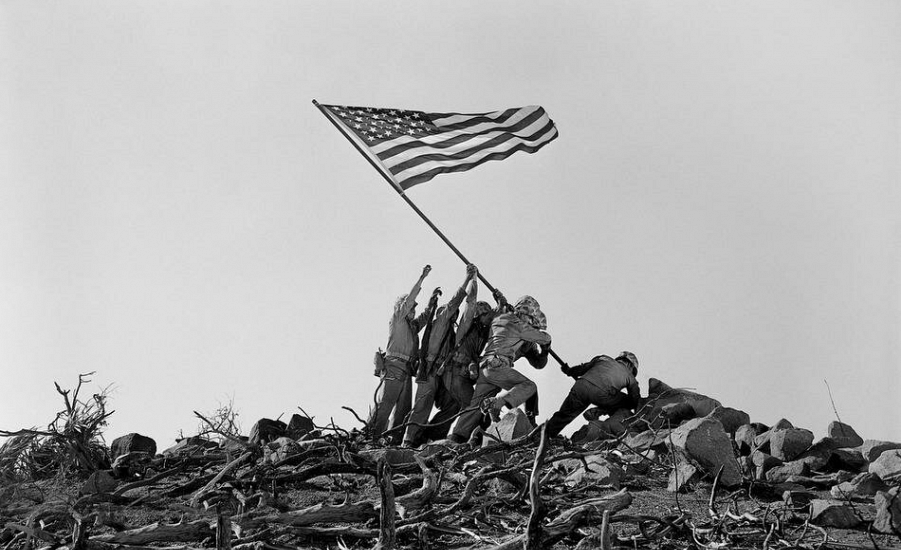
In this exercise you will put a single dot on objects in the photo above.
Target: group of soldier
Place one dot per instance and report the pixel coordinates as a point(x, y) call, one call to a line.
point(461, 366)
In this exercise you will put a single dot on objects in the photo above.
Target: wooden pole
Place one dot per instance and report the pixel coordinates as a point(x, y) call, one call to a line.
point(378, 167)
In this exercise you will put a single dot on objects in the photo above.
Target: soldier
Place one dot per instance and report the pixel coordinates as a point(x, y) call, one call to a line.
point(395, 388)
point(440, 343)
point(511, 336)
point(599, 382)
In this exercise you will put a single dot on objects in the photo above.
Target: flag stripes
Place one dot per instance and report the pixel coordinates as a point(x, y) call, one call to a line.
point(415, 146)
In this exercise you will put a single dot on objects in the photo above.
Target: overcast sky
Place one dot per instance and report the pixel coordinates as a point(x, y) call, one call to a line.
point(176, 215)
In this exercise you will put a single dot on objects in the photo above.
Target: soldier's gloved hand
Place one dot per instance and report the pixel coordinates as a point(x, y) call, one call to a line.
point(473, 371)
point(566, 369)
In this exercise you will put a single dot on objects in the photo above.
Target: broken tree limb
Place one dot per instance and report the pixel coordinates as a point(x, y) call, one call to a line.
point(533, 529)
point(320, 513)
point(194, 531)
point(421, 497)
point(230, 467)
point(571, 519)
point(387, 531)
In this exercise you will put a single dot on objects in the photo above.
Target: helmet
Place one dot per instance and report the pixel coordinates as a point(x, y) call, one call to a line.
point(630, 357)
point(528, 309)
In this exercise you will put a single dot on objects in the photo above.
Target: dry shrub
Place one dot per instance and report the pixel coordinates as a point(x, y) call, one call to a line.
point(72, 444)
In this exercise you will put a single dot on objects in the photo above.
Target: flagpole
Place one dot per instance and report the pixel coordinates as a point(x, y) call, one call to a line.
point(415, 208)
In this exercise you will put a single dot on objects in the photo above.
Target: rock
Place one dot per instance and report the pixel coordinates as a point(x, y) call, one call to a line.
point(639, 464)
point(871, 448)
point(683, 475)
point(842, 435)
point(789, 443)
point(513, 425)
point(130, 443)
point(675, 413)
point(798, 497)
point(888, 512)
point(190, 445)
point(101, 481)
point(266, 430)
point(660, 395)
point(299, 426)
point(847, 459)
point(863, 485)
point(787, 471)
point(833, 513)
point(744, 439)
point(599, 470)
point(888, 466)
point(730, 418)
point(597, 430)
point(705, 442)
point(647, 440)
point(763, 463)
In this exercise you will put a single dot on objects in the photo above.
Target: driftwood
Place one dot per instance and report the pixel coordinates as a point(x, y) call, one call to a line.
point(194, 531)
point(387, 530)
point(320, 513)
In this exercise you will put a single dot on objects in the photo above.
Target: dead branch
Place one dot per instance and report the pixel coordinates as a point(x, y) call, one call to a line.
point(231, 466)
point(533, 530)
point(387, 530)
point(320, 513)
point(194, 531)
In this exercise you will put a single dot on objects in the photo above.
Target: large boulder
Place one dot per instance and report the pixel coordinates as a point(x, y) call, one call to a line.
point(101, 481)
point(596, 470)
point(790, 443)
point(299, 426)
point(610, 428)
point(787, 472)
point(863, 485)
point(662, 401)
point(833, 513)
point(511, 426)
point(888, 512)
point(872, 448)
point(744, 437)
point(842, 436)
point(133, 442)
point(267, 430)
point(685, 474)
point(730, 418)
point(888, 466)
point(705, 442)
point(762, 441)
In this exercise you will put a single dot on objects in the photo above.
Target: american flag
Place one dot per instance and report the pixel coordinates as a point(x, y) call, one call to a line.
point(415, 146)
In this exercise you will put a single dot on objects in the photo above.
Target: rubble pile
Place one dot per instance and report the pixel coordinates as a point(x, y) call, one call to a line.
point(682, 471)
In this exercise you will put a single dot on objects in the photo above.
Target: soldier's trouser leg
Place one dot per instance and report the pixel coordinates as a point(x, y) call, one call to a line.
point(395, 386)
point(471, 418)
point(457, 395)
point(520, 387)
point(583, 394)
point(422, 408)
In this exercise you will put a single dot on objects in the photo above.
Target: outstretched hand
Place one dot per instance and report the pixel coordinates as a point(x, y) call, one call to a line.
point(426, 270)
point(471, 271)
point(566, 369)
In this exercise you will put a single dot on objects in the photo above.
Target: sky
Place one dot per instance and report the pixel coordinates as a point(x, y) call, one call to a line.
point(177, 217)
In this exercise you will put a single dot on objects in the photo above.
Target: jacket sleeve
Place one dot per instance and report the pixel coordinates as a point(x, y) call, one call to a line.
point(468, 309)
point(579, 370)
point(406, 306)
point(530, 334)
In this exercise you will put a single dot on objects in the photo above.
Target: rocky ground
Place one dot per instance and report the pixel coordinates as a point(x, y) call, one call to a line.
point(683, 472)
